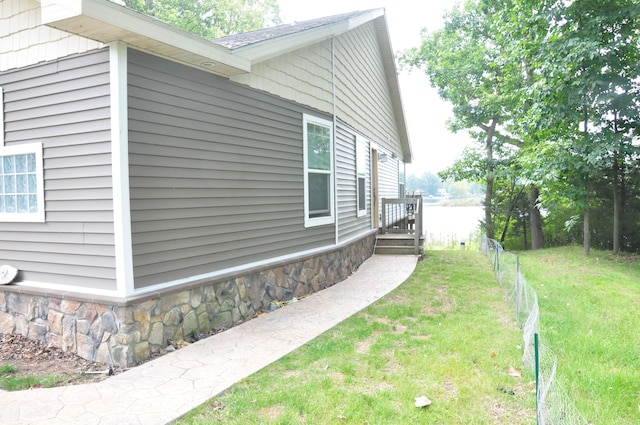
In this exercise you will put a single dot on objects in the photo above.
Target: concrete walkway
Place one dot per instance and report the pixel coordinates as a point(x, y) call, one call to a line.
point(166, 388)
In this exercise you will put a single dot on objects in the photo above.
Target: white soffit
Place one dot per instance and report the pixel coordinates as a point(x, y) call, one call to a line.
point(106, 22)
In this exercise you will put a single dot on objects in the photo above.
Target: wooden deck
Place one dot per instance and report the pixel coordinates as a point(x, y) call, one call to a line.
point(401, 231)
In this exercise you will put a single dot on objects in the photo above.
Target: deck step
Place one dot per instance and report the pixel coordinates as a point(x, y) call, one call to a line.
point(397, 244)
point(394, 250)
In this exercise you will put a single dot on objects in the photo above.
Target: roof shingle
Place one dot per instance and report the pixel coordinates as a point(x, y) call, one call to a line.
point(248, 38)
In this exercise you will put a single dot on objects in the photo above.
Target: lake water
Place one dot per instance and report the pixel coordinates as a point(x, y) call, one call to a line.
point(450, 225)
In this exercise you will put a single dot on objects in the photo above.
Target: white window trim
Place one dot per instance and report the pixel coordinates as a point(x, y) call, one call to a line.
point(20, 150)
point(361, 171)
point(329, 219)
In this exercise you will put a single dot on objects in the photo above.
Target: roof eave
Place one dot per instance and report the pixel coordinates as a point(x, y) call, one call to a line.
point(107, 22)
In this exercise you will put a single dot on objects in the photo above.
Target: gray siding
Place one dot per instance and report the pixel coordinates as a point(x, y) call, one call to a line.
point(362, 89)
point(65, 105)
point(389, 176)
point(349, 225)
point(215, 173)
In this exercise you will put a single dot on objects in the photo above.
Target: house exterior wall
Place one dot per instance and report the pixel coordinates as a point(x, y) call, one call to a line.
point(229, 163)
point(64, 104)
point(215, 172)
point(389, 176)
point(24, 41)
point(125, 334)
point(305, 76)
point(349, 224)
point(363, 98)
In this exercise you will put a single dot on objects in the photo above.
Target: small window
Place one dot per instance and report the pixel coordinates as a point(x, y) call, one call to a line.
point(21, 191)
point(318, 171)
point(361, 175)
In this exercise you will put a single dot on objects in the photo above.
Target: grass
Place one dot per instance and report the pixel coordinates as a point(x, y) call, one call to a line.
point(446, 333)
point(10, 380)
point(590, 316)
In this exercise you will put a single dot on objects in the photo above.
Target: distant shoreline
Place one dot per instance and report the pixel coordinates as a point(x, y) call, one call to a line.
point(449, 202)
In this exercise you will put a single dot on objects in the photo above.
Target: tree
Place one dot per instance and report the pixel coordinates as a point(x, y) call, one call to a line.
point(471, 68)
point(428, 184)
point(559, 81)
point(212, 18)
point(587, 94)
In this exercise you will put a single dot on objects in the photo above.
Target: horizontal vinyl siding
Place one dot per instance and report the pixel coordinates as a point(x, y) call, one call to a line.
point(350, 225)
point(388, 178)
point(215, 174)
point(363, 93)
point(64, 105)
point(363, 99)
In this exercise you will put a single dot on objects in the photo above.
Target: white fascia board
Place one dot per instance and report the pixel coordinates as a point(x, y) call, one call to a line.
point(268, 49)
point(393, 82)
point(108, 22)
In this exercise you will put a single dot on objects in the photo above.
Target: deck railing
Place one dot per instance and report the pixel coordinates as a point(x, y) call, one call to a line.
point(403, 216)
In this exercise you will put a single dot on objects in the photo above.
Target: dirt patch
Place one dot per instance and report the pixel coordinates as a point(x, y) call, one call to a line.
point(273, 412)
point(33, 358)
point(449, 388)
point(505, 317)
point(398, 329)
point(440, 303)
point(364, 345)
point(383, 320)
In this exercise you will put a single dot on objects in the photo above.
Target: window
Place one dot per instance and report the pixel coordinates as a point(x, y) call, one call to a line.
point(21, 191)
point(318, 171)
point(361, 175)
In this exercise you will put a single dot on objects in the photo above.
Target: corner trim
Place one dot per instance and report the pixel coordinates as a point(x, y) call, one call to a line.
point(120, 169)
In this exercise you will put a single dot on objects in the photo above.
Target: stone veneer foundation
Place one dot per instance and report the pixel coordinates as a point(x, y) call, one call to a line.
point(127, 333)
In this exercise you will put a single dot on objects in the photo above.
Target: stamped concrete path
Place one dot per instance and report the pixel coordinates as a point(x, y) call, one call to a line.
point(167, 387)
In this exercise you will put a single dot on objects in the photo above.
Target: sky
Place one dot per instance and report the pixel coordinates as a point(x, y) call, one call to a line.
point(434, 147)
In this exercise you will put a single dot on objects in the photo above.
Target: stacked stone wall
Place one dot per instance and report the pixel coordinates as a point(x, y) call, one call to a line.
point(125, 335)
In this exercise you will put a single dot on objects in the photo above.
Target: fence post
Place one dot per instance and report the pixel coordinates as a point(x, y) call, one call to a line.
point(537, 366)
point(518, 289)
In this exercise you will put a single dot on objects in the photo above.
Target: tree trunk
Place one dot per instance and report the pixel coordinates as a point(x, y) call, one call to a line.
point(617, 200)
point(618, 182)
point(586, 232)
point(537, 237)
point(586, 237)
point(488, 219)
point(488, 196)
point(512, 206)
point(525, 244)
point(617, 207)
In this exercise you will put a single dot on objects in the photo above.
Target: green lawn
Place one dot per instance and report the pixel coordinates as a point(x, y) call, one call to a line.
point(446, 333)
point(10, 381)
point(590, 316)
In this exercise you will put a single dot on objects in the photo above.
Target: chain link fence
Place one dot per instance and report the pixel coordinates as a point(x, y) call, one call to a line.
point(554, 407)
